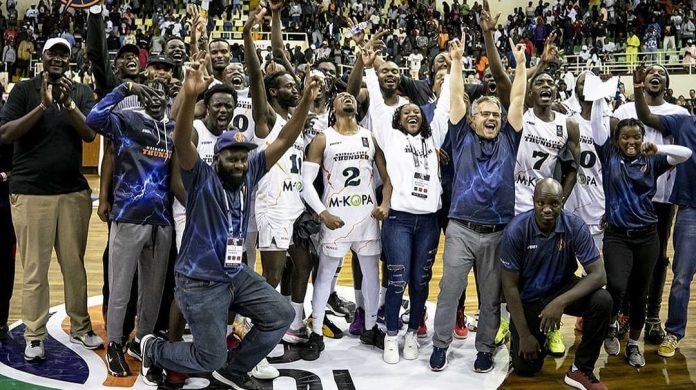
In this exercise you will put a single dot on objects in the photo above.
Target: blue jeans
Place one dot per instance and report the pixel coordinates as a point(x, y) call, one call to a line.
point(409, 243)
point(683, 267)
point(205, 305)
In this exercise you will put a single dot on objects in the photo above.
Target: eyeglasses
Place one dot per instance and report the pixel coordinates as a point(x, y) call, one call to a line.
point(488, 114)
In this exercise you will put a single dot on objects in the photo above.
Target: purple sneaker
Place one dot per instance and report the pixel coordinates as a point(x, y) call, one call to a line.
point(358, 325)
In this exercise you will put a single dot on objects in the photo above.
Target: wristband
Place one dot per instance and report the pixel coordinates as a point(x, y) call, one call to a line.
point(638, 85)
point(43, 106)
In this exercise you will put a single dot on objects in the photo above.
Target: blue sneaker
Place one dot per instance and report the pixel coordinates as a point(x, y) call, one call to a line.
point(438, 359)
point(484, 362)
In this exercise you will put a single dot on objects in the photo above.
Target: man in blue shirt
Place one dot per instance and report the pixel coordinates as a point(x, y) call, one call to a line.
point(539, 254)
point(482, 204)
point(210, 276)
point(683, 129)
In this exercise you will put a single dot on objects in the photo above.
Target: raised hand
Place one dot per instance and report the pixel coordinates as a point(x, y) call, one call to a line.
point(550, 50)
point(639, 74)
point(312, 85)
point(488, 23)
point(376, 42)
point(358, 37)
point(46, 91)
point(519, 51)
point(276, 5)
point(255, 18)
point(456, 50)
point(197, 80)
point(368, 56)
point(145, 93)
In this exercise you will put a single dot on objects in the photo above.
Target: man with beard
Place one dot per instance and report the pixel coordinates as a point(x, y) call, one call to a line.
point(212, 282)
point(278, 200)
point(656, 83)
point(50, 197)
point(141, 232)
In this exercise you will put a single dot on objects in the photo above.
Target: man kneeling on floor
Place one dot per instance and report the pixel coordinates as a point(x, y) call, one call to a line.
point(538, 258)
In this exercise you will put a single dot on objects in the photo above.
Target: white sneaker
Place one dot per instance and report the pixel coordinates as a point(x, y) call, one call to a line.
point(88, 340)
point(391, 349)
point(411, 346)
point(264, 371)
point(34, 351)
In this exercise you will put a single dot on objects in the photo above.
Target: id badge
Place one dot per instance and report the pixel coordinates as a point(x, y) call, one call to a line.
point(235, 250)
point(421, 183)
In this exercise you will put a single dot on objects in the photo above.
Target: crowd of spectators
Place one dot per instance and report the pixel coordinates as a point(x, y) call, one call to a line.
point(594, 31)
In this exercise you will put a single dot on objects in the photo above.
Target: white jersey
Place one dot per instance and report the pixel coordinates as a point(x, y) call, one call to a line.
point(347, 170)
point(278, 193)
point(665, 182)
point(537, 155)
point(205, 149)
point(320, 124)
point(587, 199)
point(243, 119)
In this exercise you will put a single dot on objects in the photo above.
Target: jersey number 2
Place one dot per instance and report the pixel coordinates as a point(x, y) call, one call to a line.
point(352, 173)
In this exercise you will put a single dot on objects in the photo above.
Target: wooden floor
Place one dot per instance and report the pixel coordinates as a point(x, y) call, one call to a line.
point(678, 372)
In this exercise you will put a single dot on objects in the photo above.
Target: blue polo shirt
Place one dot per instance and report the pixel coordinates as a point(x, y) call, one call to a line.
point(545, 262)
point(629, 186)
point(483, 190)
point(209, 209)
point(683, 129)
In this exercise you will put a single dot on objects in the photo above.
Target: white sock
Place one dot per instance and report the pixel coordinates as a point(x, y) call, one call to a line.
point(632, 342)
point(359, 300)
point(504, 313)
point(573, 368)
point(299, 311)
point(382, 295)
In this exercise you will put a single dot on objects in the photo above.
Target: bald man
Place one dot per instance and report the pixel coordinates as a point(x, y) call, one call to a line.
point(539, 255)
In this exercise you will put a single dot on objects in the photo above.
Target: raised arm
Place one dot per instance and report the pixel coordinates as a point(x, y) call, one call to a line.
point(277, 28)
point(600, 133)
point(458, 103)
point(519, 86)
point(101, 116)
point(642, 109)
point(373, 89)
point(195, 83)
point(260, 110)
point(676, 154)
point(289, 133)
point(97, 53)
point(488, 26)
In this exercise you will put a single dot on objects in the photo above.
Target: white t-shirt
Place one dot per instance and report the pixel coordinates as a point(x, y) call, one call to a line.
point(665, 182)
point(378, 114)
point(414, 61)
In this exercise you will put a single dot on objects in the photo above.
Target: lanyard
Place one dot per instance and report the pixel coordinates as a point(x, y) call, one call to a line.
point(241, 212)
point(416, 157)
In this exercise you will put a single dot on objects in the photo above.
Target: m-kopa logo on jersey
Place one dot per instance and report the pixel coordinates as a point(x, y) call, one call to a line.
point(289, 185)
point(351, 200)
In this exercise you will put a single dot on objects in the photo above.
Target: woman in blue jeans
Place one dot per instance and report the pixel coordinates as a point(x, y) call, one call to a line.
point(630, 168)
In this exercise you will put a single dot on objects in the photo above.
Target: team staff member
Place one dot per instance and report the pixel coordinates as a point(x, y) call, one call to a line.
point(482, 204)
point(683, 129)
point(50, 197)
point(211, 278)
point(630, 168)
point(539, 255)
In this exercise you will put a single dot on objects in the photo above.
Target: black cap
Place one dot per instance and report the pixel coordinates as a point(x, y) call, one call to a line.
point(159, 59)
point(127, 48)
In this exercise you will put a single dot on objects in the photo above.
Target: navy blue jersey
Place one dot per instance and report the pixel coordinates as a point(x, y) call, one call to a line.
point(629, 186)
point(483, 190)
point(544, 262)
point(143, 149)
point(210, 209)
point(683, 129)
